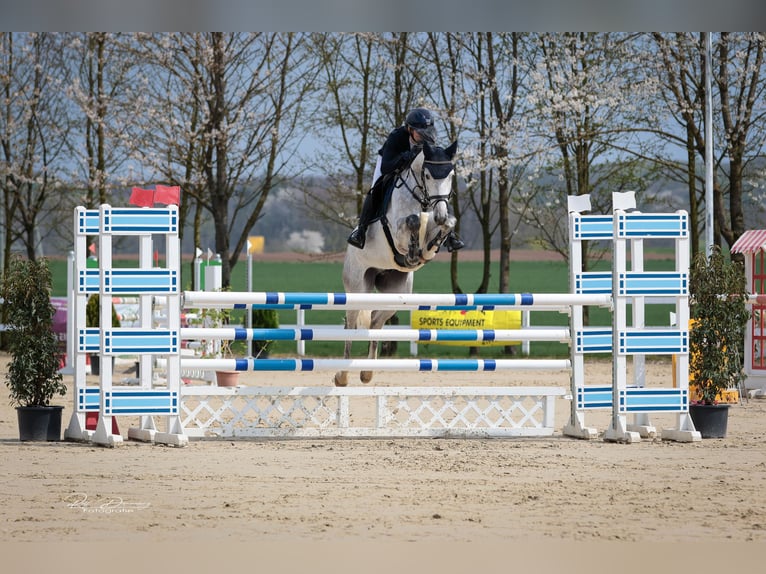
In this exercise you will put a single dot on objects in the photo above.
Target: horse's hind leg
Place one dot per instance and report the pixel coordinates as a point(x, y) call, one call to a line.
point(377, 320)
point(390, 282)
point(372, 353)
point(354, 320)
point(362, 320)
point(341, 377)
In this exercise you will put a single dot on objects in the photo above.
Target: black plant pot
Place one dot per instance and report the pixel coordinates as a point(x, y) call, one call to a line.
point(710, 420)
point(95, 364)
point(39, 423)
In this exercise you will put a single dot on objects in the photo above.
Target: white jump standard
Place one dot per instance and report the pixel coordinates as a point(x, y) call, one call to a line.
point(147, 401)
point(632, 287)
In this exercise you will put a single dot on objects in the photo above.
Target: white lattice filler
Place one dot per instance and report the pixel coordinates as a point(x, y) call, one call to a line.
point(368, 411)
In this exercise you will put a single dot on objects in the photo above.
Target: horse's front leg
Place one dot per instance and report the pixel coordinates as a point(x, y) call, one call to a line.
point(410, 232)
point(436, 236)
point(372, 348)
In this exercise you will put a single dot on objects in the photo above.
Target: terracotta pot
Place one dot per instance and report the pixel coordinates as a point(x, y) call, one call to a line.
point(227, 378)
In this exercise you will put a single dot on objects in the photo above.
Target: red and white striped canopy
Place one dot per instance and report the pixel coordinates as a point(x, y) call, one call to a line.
point(750, 242)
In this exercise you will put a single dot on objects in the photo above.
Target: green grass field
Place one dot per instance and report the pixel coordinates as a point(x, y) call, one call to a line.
point(526, 276)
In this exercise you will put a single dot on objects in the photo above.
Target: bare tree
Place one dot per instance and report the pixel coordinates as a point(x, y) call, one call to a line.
point(104, 114)
point(351, 120)
point(680, 62)
point(33, 129)
point(96, 86)
point(502, 85)
point(739, 83)
point(232, 137)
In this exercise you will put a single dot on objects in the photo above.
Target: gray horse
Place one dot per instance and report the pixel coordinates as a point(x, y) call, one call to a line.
point(406, 237)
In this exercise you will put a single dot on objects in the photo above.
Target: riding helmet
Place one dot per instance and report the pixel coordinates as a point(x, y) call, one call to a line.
point(422, 121)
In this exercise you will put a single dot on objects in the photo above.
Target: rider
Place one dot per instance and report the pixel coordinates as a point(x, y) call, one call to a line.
point(401, 147)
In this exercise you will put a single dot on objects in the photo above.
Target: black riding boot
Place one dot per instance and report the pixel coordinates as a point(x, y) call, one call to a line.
point(359, 234)
point(453, 242)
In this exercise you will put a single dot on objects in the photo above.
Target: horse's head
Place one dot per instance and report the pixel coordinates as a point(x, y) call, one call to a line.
point(434, 169)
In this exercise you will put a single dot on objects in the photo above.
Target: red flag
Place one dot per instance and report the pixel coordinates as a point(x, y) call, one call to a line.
point(167, 194)
point(142, 197)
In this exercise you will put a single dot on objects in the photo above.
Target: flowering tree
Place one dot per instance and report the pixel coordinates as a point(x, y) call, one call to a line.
point(480, 83)
point(587, 91)
point(351, 119)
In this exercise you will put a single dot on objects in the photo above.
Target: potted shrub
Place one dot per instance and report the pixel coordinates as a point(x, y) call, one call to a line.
point(33, 376)
point(263, 319)
point(93, 319)
point(218, 348)
point(719, 315)
point(225, 378)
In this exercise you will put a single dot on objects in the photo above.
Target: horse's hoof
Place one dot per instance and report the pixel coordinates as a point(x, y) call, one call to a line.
point(365, 376)
point(341, 380)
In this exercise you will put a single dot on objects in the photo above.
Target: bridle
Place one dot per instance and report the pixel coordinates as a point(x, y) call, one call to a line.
point(425, 200)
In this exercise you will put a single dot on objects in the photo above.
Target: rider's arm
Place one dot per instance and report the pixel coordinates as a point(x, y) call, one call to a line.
point(396, 153)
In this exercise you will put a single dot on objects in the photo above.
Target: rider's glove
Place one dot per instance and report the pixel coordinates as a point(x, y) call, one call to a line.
point(405, 159)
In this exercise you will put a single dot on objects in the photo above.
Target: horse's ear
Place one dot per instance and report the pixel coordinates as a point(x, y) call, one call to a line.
point(450, 151)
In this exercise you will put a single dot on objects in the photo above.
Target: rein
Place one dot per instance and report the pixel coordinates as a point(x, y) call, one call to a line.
point(425, 200)
point(399, 259)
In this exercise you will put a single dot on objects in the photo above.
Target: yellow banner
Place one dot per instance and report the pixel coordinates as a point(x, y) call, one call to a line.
point(255, 244)
point(484, 320)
